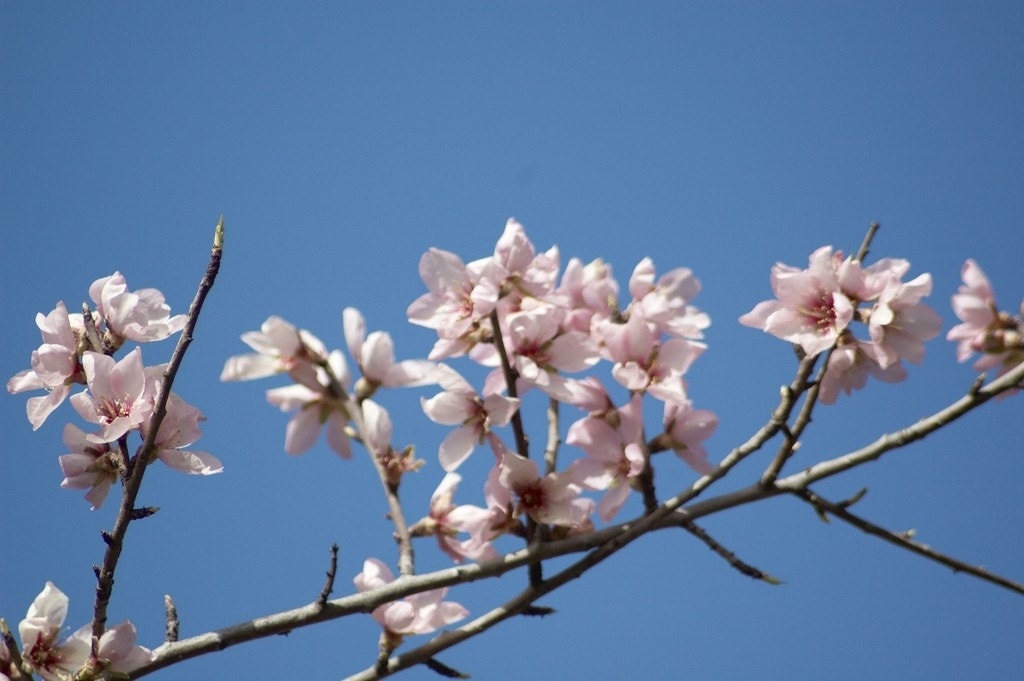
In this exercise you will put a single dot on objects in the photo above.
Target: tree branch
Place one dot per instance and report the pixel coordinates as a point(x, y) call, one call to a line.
point(598, 544)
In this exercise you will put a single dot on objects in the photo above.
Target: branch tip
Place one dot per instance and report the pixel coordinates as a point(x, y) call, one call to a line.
point(218, 234)
point(332, 570)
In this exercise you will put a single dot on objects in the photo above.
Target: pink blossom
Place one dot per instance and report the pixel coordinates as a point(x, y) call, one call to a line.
point(984, 328)
point(643, 363)
point(55, 364)
point(420, 613)
point(119, 399)
point(900, 323)
point(315, 408)
point(39, 631)
point(89, 465)
point(280, 347)
point(446, 520)
point(141, 316)
point(460, 405)
point(179, 429)
point(539, 350)
point(849, 366)
point(590, 395)
point(552, 499)
point(811, 310)
point(590, 293)
point(665, 303)
point(377, 429)
point(116, 649)
point(458, 301)
point(375, 356)
point(524, 271)
point(500, 517)
point(615, 455)
point(686, 429)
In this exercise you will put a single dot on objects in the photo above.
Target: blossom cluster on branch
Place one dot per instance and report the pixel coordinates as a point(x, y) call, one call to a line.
point(539, 331)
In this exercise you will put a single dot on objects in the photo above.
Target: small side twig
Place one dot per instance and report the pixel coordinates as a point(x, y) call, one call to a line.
point(332, 570)
point(904, 540)
point(742, 567)
point(171, 616)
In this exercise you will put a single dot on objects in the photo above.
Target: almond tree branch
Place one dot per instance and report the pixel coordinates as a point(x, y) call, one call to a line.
point(611, 538)
point(903, 540)
point(599, 544)
point(130, 490)
point(972, 400)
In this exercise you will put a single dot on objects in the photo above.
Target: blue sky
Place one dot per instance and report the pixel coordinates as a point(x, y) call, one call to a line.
point(341, 140)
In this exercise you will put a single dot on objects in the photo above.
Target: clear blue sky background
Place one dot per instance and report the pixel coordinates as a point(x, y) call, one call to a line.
point(342, 140)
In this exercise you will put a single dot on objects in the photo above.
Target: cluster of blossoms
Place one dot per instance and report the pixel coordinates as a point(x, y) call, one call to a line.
point(56, 661)
point(512, 313)
point(815, 309)
point(120, 396)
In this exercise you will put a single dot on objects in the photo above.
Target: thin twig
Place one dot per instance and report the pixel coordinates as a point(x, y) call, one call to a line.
point(903, 540)
point(791, 433)
point(511, 377)
point(865, 245)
